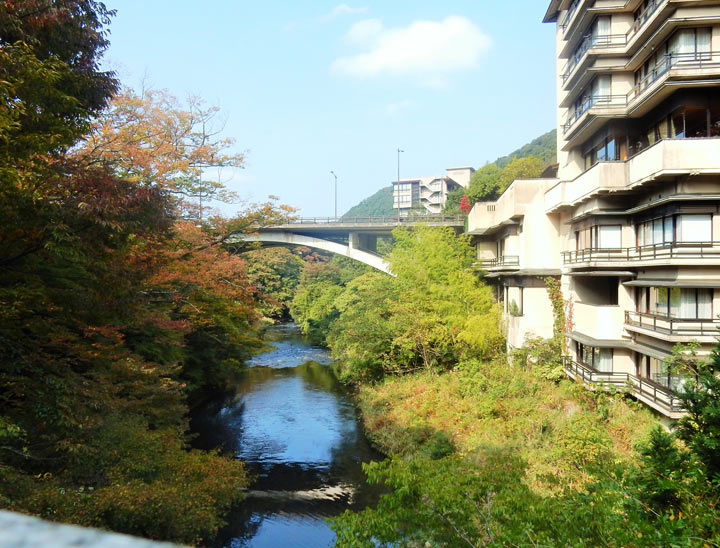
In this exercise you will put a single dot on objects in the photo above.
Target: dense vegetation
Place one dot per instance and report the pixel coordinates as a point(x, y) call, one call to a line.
point(483, 452)
point(119, 302)
point(543, 147)
point(434, 312)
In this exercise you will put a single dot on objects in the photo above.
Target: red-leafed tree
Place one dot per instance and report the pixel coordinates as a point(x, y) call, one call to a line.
point(465, 204)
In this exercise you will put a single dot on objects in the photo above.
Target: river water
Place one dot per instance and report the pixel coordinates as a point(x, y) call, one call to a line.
point(298, 432)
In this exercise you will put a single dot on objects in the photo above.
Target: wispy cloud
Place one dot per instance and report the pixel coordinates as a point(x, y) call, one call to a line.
point(424, 49)
point(337, 11)
point(342, 9)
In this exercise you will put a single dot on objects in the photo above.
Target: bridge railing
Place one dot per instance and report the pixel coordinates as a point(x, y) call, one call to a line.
point(379, 219)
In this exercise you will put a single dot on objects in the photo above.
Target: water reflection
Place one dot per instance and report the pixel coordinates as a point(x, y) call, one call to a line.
point(298, 432)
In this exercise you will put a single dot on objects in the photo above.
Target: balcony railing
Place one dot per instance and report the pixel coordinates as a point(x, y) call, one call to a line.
point(589, 42)
point(658, 396)
point(371, 220)
point(644, 16)
point(506, 260)
point(691, 327)
point(594, 102)
point(673, 250)
point(694, 60)
point(569, 15)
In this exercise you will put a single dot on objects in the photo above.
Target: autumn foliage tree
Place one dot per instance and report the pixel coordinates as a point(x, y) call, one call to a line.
point(113, 309)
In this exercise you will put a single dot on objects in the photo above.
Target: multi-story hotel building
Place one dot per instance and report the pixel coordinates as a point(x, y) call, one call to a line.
point(428, 193)
point(630, 222)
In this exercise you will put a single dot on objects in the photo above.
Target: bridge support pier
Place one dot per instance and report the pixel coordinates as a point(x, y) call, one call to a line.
point(362, 241)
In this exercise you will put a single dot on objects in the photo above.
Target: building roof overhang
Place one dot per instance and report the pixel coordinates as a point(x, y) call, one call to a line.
point(647, 282)
point(619, 343)
point(526, 272)
point(619, 273)
point(551, 15)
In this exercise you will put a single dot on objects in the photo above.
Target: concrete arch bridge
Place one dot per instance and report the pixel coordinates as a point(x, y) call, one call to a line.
point(353, 237)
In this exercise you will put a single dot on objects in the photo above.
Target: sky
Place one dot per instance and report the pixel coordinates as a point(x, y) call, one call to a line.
point(310, 87)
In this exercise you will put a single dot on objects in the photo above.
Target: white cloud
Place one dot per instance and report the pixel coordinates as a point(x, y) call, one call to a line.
point(343, 9)
point(364, 31)
point(427, 49)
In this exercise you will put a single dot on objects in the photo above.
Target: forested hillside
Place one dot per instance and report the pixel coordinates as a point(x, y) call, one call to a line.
point(379, 203)
point(543, 147)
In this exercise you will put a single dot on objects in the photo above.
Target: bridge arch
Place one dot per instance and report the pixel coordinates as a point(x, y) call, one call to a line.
point(291, 238)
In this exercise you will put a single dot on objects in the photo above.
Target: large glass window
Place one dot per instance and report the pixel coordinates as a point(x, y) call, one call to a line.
point(678, 228)
point(676, 302)
point(597, 358)
point(685, 46)
point(599, 237)
point(694, 228)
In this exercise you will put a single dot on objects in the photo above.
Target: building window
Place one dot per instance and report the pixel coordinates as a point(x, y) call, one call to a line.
point(675, 302)
point(675, 229)
point(605, 148)
point(600, 359)
point(685, 46)
point(694, 228)
point(514, 301)
point(599, 237)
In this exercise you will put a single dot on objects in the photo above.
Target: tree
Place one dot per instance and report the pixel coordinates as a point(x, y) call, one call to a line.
point(155, 139)
point(465, 204)
point(50, 80)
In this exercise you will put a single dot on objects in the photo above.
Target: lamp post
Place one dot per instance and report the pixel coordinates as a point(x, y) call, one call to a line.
point(333, 173)
point(398, 182)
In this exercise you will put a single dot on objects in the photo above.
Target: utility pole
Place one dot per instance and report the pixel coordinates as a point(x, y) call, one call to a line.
point(333, 173)
point(398, 182)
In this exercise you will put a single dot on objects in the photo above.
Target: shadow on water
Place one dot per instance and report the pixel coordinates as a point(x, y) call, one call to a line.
point(298, 432)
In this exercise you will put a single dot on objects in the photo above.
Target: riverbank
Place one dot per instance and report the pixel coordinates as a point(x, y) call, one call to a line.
point(558, 429)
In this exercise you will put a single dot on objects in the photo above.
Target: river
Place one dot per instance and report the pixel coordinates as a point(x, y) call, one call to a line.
point(298, 432)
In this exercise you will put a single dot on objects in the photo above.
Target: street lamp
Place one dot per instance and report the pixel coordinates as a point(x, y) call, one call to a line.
point(398, 182)
point(333, 173)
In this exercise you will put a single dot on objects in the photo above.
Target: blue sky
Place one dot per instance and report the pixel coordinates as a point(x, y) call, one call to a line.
point(310, 87)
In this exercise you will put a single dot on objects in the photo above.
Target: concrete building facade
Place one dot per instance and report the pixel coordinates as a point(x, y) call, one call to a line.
point(631, 220)
point(428, 194)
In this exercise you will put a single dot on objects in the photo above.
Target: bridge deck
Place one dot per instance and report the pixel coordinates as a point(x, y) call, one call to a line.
point(386, 223)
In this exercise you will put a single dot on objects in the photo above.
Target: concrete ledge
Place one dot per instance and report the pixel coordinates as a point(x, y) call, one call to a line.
point(21, 531)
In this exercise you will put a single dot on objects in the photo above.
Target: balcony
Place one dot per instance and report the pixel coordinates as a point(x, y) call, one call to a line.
point(506, 261)
point(644, 16)
point(655, 395)
point(673, 329)
point(676, 65)
point(667, 157)
point(595, 104)
point(700, 253)
point(603, 177)
point(589, 42)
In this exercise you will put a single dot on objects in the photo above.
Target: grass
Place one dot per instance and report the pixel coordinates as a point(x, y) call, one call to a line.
point(557, 428)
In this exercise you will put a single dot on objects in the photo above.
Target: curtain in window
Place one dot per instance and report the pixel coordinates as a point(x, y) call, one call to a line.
point(604, 360)
point(694, 228)
point(609, 237)
point(601, 28)
point(668, 235)
point(704, 307)
point(683, 42)
point(703, 41)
